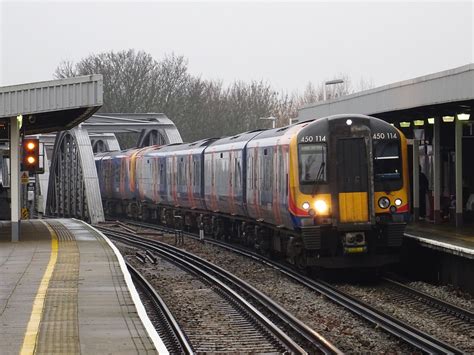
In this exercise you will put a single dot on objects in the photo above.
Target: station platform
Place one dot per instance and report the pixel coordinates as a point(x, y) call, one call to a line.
point(443, 237)
point(64, 288)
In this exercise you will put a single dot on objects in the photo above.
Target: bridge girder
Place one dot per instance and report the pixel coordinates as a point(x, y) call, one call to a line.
point(73, 187)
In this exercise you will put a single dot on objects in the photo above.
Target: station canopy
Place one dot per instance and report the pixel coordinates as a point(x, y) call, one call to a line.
point(448, 92)
point(54, 105)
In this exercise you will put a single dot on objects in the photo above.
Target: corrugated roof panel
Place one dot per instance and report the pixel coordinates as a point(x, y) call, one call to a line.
point(54, 95)
point(450, 86)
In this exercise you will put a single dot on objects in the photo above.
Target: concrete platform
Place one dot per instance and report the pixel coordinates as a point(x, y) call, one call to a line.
point(64, 290)
point(443, 237)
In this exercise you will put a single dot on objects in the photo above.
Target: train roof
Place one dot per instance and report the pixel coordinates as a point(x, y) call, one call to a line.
point(177, 148)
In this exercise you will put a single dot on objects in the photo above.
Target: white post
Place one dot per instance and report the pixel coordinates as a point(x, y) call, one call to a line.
point(437, 170)
point(416, 180)
point(324, 92)
point(458, 169)
point(15, 177)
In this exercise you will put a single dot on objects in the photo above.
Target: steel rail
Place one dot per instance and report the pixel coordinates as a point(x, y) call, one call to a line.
point(301, 328)
point(449, 308)
point(394, 326)
point(176, 340)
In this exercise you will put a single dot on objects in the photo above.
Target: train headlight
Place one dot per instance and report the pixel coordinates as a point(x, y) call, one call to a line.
point(306, 205)
point(321, 207)
point(384, 202)
point(398, 202)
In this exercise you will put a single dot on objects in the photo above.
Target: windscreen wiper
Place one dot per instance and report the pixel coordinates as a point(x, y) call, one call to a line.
point(318, 178)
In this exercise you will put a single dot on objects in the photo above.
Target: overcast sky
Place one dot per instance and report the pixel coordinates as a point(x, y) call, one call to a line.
point(286, 44)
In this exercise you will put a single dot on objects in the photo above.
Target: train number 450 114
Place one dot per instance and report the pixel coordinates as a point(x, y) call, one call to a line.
point(385, 135)
point(309, 139)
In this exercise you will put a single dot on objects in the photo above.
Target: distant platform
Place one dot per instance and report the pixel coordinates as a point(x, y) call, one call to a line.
point(64, 290)
point(443, 237)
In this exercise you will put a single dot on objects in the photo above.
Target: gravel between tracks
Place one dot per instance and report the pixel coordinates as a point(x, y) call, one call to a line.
point(345, 330)
point(210, 322)
point(446, 293)
point(445, 327)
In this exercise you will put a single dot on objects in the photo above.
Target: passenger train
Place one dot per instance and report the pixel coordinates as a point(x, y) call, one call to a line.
point(331, 192)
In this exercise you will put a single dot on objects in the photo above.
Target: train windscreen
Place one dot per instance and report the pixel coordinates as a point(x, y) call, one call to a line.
point(312, 162)
point(387, 165)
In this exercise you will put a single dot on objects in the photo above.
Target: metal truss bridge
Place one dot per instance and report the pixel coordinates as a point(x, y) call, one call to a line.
point(70, 179)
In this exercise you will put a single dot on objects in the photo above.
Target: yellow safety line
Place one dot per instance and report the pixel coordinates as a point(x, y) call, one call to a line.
point(31, 335)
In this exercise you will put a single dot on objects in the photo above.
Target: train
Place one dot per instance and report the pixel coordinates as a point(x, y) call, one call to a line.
point(325, 193)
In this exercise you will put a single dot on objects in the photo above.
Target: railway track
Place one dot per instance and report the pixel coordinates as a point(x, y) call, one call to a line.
point(228, 284)
point(171, 333)
point(394, 326)
point(443, 308)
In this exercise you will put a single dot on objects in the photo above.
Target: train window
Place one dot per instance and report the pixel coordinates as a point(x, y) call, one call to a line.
point(386, 160)
point(237, 173)
point(312, 158)
point(387, 165)
point(195, 172)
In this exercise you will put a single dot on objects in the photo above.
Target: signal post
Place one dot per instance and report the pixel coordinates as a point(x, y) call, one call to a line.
point(15, 176)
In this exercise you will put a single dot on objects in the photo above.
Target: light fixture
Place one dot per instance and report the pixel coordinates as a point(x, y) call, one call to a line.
point(463, 116)
point(398, 202)
point(321, 206)
point(349, 122)
point(405, 124)
point(384, 202)
point(418, 122)
point(306, 205)
point(431, 120)
point(448, 118)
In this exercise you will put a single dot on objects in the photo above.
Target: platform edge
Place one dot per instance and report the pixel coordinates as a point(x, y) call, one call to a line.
point(150, 329)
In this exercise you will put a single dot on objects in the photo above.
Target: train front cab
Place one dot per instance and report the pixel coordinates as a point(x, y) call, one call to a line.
point(349, 196)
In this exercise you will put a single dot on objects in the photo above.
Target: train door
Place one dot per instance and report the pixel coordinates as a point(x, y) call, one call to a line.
point(352, 180)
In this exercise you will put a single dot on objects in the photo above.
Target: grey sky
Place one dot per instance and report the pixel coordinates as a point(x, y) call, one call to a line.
point(287, 44)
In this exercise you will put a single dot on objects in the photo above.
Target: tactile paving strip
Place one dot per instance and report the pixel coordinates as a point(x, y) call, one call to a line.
point(59, 330)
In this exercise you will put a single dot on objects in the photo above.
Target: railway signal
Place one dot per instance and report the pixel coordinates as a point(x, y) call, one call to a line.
point(30, 158)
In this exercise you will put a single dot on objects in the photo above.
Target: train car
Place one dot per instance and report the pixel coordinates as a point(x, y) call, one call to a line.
point(351, 191)
point(268, 188)
point(116, 174)
point(225, 167)
point(331, 192)
point(146, 180)
point(171, 176)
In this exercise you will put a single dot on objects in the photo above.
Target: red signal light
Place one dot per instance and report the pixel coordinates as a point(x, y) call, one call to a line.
point(30, 157)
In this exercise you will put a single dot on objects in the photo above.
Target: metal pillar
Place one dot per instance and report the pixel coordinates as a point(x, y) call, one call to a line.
point(437, 170)
point(416, 180)
point(15, 177)
point(458, 169)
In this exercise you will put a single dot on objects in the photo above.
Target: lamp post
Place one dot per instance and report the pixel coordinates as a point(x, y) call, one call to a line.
point(273, 119)
point(330, 82)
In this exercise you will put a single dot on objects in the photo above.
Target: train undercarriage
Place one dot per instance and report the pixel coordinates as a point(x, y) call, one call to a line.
point(310, 247)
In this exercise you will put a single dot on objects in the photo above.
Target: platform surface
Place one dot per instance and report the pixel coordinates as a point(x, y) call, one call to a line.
point(62, 291)
point(444, 237)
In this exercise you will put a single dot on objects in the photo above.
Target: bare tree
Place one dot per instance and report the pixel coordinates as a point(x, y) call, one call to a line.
point(135, 82)
point(65, 69)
